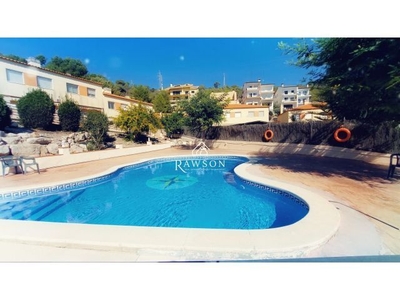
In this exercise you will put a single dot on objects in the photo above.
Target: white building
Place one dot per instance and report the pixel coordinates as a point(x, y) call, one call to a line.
point(256, 93)
point(292, 96)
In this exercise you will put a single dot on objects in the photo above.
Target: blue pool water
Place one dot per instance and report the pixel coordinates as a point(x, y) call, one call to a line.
point(191, 192)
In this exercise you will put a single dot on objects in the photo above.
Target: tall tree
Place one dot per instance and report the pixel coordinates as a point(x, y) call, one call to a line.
point(68, 65)
point(42, 59)
point(161, 102)
point(140, 92)
point(202, 112)
point(359, 78)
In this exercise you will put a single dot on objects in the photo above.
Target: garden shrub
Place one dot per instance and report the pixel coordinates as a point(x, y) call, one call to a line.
point(96, 124)
point(69, 115)
point(36, 109)
point(5, 113)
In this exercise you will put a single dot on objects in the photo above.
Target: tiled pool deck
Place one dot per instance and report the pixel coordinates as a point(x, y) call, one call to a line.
point(350, 232)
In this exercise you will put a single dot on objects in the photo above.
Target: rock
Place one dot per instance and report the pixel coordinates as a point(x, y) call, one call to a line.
point(52, 148)
point(70, 140)
point(43, 151)
point(84, 147)
point(25, 149)
point(4, 150)
point(80, 137)
point(2, 133)
point(11, 139)
point(39, 140)
point(75, 149)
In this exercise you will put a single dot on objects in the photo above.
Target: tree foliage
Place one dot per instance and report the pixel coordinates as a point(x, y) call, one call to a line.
point(161, 102)
point(140, 92)
point(16, 57)
point(5, 113)
point(100, 79)
point(69, 115)
point(68, 65)
point(96, 124)
point(121, 88)
point(359, 78)
point(202, 112)
point(36, 109)
point(42, 59)
point(173, 123)
point(137, 119)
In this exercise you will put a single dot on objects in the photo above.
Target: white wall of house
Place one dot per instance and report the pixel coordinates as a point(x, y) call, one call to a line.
point(242, 113)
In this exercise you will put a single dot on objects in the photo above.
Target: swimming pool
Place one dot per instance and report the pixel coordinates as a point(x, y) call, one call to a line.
point(184, 192)
point(148, 243)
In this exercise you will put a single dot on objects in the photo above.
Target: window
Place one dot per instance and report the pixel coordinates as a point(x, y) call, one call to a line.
point(228, 115)
point(286, 92)
point(14, 76)
point(176, 92)
point(238, 114)
point(110, 105)
point(292, 91)
point(250, 114)
point(261, 113)
point(72, 88)
point(44, 83)
point(91, 92)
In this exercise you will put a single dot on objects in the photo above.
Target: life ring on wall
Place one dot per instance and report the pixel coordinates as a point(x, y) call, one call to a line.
point(268, 135)
point(339, 131)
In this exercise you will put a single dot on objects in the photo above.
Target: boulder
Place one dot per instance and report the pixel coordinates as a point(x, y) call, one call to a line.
point(52, 148)
point(43, 151)
point(39, 140)
point(75, 149)
point(25, 149)
point(12, 139)
point(2, 133)
point(4, 150)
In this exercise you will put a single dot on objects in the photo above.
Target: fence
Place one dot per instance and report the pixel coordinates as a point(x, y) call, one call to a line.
point(384, 138)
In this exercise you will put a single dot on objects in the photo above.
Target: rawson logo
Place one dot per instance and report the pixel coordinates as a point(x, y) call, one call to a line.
point(200, 149)
point(193, 164)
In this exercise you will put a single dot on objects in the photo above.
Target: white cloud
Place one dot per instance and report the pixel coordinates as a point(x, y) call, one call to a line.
point(87, 61)
point(182, 58)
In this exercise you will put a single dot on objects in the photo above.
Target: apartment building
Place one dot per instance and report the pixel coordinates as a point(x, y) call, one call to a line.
point(292, 96)
point(257, 93)
point(181, 92)
point(18, 78)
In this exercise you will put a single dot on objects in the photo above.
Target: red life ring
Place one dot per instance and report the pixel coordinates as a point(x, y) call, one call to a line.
point(268, 135)
point(342, 130)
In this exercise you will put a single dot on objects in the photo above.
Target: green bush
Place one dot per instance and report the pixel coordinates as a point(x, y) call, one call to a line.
point(36, 109)
point(69, 115)
point(96, 124)
point(5, 113)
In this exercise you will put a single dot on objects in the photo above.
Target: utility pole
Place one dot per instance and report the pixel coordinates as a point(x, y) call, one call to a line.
point(160, 81)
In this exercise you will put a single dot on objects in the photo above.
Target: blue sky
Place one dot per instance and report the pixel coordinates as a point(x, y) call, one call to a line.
point(200, 61)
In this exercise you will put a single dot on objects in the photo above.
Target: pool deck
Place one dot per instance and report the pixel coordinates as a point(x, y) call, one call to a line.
point(367, 202)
